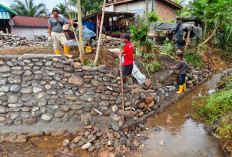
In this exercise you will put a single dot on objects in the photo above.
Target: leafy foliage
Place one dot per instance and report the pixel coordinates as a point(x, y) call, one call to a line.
point(88, 6)
point(194, 59)
point(63, 10)
point(150, 63)
point(215, 13)
point(28, 8)
point(153, 17)
point(167, 48)
point(139, 34)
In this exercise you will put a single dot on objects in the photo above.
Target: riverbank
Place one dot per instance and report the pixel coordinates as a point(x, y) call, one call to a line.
point(216, 112)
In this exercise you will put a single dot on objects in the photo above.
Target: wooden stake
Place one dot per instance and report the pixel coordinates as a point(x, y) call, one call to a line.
point(97, 27)
point(122, 88)
point(99, 39)
point(187, 42)
point(81, 46)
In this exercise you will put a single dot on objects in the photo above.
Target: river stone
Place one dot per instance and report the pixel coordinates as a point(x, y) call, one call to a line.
point(5, 89)
point(3, 81)
point(12, 99)
point(59, 114)
point(37, 90)
point(59, 133)
point(14, 105)
point(2, 93)
point(77, 65)
point(86, 98)
point(141, 105)
point(104, 103)
point(65, 143)
point(95, 83)
point(86, 146)
point(14, 116)
point(92, 148)
point(21, 139)
point(15, 88)
point(65, 108)
point(114, 126)
point(85, 117)
point(76, 81)
point(47, 117)
point(2, 119)
point(28, 90)
point(5, 69)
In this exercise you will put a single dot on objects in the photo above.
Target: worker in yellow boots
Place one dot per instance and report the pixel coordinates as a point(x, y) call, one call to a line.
point(183, 69)
point(56, 34)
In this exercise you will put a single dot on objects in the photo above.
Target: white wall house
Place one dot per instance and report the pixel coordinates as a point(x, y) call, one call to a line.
point(29, 26)
point(166, 9)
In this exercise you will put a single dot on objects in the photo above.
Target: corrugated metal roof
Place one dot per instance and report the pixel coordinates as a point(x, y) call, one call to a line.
point(4, 14)
point(8, 9)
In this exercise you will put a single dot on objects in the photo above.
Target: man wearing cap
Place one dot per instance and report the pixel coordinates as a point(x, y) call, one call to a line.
point(55, 31)
point(128, 58)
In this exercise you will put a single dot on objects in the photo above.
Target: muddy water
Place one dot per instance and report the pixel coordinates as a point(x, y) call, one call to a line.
point(174, 133)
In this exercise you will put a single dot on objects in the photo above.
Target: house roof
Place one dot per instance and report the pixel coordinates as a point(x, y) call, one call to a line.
point(10, 10)
point(169, 2)
point(26, 21)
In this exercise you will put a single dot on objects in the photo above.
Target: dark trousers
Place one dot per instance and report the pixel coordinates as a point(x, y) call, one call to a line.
point(181, 79)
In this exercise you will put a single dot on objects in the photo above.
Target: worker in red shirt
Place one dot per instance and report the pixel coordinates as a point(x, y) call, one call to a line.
point(128, 58)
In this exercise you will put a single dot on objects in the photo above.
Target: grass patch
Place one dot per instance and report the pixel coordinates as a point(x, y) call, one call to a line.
point(150, 63)
point(218, 110)
point(194, 59)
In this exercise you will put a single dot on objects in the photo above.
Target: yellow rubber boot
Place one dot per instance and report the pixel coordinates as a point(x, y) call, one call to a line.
point(66, 51)
point(184, 86)
point(180, 89)
point(57, 52)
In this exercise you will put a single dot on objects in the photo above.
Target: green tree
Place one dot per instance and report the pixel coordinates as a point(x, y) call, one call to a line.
point(63, 10)
point(215, 15)
point(28, 8)
point(88, 6)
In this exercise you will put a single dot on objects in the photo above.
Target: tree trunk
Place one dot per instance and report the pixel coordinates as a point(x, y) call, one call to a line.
point(81, 46)
point(99, 38)
point(211, 34)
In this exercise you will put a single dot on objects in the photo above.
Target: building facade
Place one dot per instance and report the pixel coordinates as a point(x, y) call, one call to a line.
point(166, 9)
point(30, 26)
point(6, 14)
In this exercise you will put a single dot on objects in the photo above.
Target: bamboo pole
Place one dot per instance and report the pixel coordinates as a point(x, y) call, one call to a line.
point(122, 88)
point(99, 39)
point(146, 18)
point(81, 46)
point(187, 41)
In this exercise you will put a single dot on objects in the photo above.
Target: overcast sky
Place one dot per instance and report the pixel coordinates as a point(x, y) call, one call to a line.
point(49, 3)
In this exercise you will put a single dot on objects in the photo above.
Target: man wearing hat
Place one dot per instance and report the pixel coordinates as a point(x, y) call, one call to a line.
point(56, 34)
point(128, 58)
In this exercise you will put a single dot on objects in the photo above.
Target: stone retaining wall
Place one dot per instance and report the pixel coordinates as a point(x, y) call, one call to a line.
point(52, 89)
point(48, 88)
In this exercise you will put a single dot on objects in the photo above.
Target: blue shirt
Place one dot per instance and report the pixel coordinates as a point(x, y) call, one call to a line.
point(57, 24)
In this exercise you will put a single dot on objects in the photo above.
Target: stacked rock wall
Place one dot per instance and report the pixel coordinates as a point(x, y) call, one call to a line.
point(47, 88)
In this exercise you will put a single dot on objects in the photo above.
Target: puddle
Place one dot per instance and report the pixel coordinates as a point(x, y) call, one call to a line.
point(180, 136)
